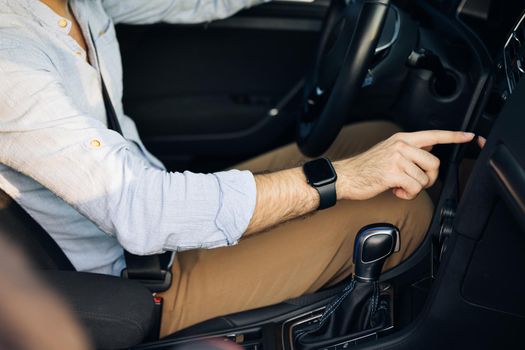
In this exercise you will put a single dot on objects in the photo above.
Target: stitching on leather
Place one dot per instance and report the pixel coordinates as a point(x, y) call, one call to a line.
point(334, 305)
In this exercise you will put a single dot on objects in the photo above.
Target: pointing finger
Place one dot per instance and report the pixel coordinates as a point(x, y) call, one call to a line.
point(428, 138)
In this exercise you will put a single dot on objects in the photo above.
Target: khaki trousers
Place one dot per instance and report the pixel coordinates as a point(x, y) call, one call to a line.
point(297, 257)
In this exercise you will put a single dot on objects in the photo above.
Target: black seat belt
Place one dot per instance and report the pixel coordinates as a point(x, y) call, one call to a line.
point(111, 115)
point(150, 270)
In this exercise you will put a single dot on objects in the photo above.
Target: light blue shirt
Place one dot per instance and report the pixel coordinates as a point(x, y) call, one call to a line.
point(91, 189)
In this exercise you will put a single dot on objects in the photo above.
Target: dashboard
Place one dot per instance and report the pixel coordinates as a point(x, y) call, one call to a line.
point(491, 20)
point(500, 26)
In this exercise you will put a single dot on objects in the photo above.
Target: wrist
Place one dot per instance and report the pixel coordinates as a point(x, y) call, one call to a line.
point(343, 184)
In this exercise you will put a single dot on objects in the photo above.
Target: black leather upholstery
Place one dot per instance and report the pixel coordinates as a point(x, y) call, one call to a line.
point(20, 228)
point(116, 312)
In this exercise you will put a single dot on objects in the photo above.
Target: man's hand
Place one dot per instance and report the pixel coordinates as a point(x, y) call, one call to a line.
point(481, 141)
point(402, 163)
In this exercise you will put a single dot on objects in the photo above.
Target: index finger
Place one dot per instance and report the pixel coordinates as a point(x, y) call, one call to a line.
point(434, 137)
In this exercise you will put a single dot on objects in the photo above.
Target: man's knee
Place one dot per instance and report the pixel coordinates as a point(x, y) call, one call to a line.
point(357, 138)
point(413, 219)
point(379, 130)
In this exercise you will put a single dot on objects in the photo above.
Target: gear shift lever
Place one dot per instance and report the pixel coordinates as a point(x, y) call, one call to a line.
point(373, 245)
point(359, 306)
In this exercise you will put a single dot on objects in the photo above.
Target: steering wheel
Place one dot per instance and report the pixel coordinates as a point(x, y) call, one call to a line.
point(349, 36)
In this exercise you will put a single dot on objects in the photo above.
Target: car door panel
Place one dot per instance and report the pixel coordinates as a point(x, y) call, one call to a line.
point(201, 94)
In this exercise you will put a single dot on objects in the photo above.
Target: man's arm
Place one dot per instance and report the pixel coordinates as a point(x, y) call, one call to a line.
point(173, 11)
point(401, 163)
point(46, 136)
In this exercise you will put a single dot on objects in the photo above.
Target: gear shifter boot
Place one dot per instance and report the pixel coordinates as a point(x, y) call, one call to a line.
point(360, 306)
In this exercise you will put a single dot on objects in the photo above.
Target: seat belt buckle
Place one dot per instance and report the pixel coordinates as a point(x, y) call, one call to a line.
point(159, 283)
point(154, 333)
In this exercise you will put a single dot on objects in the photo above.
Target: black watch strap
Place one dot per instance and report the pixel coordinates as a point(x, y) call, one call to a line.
point(327, 196)
point(321, 175)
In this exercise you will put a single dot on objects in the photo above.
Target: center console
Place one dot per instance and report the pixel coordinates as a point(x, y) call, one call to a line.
point(358, 311)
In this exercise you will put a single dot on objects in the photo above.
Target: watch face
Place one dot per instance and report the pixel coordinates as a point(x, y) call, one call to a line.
point(319, 172)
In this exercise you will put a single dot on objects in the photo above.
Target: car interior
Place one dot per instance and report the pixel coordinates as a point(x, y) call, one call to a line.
point(214, 94)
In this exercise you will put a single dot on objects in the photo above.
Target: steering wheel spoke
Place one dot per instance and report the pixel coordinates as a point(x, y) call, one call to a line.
point(348, 40)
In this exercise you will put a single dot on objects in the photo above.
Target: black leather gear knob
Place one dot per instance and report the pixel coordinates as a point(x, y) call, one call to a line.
point(373, 245)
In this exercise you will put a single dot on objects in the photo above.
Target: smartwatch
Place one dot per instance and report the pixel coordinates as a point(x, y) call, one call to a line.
point(321, 175)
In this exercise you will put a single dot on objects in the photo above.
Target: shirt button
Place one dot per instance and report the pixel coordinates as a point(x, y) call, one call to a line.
point(78, 53)
point(95, 143)
point(62, 23)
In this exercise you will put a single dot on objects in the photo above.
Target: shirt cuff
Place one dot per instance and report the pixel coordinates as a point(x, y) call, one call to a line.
point(237, 203)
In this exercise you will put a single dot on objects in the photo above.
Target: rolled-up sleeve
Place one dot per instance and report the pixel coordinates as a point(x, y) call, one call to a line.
point(174, 11)
point(43, 135)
